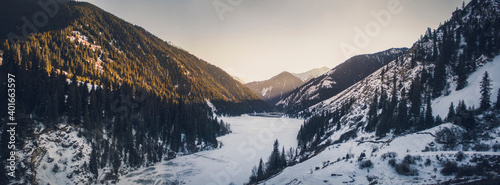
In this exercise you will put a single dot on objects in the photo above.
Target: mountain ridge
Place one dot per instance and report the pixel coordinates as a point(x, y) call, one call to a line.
point(383, 129)
point(279, 86)
point(125, 53)
point(336, 80)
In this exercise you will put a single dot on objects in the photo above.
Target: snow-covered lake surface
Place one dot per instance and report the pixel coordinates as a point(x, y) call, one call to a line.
point(252, 139)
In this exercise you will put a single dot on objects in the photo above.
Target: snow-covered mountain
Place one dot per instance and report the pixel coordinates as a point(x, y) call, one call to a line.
point(398, 125)
point(311, 74)
point(337, 79)
point(280, 86)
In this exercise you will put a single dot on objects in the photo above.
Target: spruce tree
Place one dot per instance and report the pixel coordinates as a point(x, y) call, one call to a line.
point(485, 92)
point(429, 118)
point(439, 80)
point(283, 158)
point(274, 162)
point(451, 112)
point(260, 170)
point(372, 115)
point(498, 100)
point(402, 116)
point(93, 164)
point(462, 74)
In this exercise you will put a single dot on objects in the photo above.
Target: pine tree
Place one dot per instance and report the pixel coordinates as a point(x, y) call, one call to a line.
point(462, 73)
point(402, 116)
point(485, 92)
point(283, 158)
point(498, 100)
point(415, 97)
point(451, 112)
point(439, 80)
point(429, 118)
point(260, 170)
point(253, 176)
point(372, 115)
point(274, 162)
point(383, 126)
point(93, 164)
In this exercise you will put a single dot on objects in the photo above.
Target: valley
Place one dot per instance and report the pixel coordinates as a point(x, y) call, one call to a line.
point(99, 100)
point(251, 139)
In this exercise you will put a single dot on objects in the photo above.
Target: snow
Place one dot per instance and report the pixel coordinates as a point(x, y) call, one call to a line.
point(212, 107)
point(328, 83)
point(308, 75)
point(251, 139)
point(470, 94)
point(82, 39)
point(330, 166)
point(266, 90)
point(62, 147)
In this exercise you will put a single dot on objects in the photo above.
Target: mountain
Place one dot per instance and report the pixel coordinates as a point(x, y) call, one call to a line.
point(311, 74)
point(108, 50)
point(94, 96)
point(279, 86)
point(426, 117)
point(239, 79)
point(336, 80)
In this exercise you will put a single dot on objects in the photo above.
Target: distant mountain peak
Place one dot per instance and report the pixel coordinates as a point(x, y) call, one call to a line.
point(313, 73)
point(279, 86)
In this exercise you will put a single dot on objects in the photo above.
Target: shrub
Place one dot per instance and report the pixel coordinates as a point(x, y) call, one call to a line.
point(449, 167)
point(409, 159)
point(362, 156)
point(55, 169)
point(404, 168)
point(481, 147)
point(466, 170)
point(365, 164)
point(448, 137)
point(427, 162)
point(392, 162)
point(496, 147)
point(389, 155)
point(460, 156)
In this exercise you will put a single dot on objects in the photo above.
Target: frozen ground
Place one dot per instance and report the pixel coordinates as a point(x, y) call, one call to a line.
point(252, 139)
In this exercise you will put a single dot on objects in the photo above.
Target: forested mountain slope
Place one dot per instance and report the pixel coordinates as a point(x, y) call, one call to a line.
point(336, 80)
point(430, 116)
point(96, 96)
point(83, 40)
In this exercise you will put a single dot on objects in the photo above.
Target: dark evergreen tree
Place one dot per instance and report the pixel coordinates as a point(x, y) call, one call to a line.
point(461, 73)
point(498, 100)
point(429, 118)
point(372, 115)
point(415, 98)
point(283, 158)
point(260, 170)
point(402, 121)
point(451, 112)
point(274, 162)
point(383, 126)
point(93, 164)
point(485, 92)
point(439, 120)
point(439, 78)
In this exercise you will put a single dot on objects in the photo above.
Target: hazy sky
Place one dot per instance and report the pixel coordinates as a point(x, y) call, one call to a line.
point(257, 39)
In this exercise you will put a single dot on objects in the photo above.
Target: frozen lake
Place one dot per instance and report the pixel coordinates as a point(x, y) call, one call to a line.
point(252, 139)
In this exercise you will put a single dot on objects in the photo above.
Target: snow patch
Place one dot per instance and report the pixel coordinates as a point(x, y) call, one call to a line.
point(470, 94)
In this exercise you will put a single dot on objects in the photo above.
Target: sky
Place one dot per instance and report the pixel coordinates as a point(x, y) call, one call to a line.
point(257, 39)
